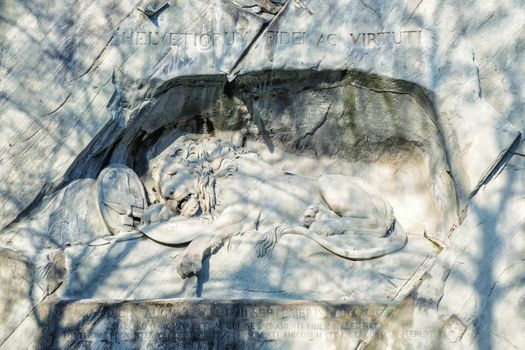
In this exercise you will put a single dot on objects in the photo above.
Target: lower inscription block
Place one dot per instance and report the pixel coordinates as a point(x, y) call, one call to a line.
point(206, 324)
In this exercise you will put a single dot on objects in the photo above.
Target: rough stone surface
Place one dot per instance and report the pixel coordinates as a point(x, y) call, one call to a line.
point(24, 284)
point(473, 297)
point(424, 100)
point(91, 50)
point(407, 40)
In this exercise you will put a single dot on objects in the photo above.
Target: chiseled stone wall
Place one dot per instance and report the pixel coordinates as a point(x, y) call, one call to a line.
point(79, 77)
point(63, 61)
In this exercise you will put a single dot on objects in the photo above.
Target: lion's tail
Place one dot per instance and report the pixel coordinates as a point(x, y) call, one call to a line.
point(393, 242)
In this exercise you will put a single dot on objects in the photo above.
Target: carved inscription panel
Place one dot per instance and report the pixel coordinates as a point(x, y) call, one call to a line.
point(360, 38)
point(209, 40)
point(209, 324)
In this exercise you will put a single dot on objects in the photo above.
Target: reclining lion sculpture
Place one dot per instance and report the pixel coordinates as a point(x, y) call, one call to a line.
point(204, 192)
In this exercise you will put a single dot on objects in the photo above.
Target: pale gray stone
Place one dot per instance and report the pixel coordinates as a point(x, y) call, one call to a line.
point(54, 91)
point(203, 324)
point(200, 179)
point(121, 198)
point(421, 99)
point(407, 41)
point(70, 217)
point(25, 282)
point(474, 293)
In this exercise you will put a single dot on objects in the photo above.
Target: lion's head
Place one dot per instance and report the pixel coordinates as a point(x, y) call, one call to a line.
point(186, 172)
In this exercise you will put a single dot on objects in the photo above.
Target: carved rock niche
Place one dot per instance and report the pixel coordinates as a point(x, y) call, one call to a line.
point(305, 124)
point(329, 188)
point(287, 135)
point(313, 123)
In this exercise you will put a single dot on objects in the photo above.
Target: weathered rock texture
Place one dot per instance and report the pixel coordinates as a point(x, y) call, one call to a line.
point(112, 48)
point(25, 283)
point(432, 86)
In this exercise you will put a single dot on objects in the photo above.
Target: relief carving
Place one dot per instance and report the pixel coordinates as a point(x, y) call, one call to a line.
point(204, 192)
point(122, 199)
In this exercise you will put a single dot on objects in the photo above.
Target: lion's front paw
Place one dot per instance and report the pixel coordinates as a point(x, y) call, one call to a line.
point(156, 213)
point(189, 264)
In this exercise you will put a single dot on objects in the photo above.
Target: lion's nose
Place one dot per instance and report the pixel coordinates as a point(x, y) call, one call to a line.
point(181, 193)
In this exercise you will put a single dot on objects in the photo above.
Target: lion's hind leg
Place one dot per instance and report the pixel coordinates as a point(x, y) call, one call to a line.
point(369, 226)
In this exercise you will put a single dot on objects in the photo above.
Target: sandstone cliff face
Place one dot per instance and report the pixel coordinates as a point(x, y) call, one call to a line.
point(87, 83)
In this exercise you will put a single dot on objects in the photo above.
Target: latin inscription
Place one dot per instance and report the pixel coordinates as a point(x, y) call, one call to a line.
point(205, 40)
point(208, 40)
point(364, 39)
point(151, 325)
point(220, 324)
